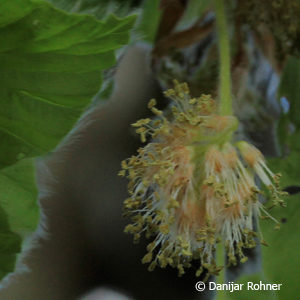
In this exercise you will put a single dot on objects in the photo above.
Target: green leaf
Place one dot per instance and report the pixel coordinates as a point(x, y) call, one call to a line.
point(247, 291)
point(51, 64)
point(281, 260)
point(149, 21)
point(98, 8)
point(290, 87)
point(18, 196)
point(289, 165)
point(9, 245)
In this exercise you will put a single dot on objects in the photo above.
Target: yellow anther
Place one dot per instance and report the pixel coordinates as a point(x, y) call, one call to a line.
point(151, 103)
point(147, 258)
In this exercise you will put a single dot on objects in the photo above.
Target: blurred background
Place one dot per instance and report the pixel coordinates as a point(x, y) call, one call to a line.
point(80, 250)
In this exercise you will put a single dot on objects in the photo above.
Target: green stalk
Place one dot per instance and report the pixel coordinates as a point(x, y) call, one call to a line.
point(224, 57)
point(220, 257)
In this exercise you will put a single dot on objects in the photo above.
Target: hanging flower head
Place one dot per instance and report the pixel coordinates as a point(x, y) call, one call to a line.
point(191, 188)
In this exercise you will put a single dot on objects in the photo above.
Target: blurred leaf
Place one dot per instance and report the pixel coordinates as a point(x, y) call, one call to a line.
point(281, 260)
point(18, 196)
point(9, 246)
point(97, 8)
point(289, 165)
point(289, 92)
point(288, 129)
point(194, 10)
point(51, 64)
point(246, 292)
point(149, 20)
point(290, 88)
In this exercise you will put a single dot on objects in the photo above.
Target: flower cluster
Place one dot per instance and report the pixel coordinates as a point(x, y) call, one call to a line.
point(191, 188)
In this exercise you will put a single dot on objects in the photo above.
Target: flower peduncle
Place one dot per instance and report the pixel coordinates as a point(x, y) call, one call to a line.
point(225, 97)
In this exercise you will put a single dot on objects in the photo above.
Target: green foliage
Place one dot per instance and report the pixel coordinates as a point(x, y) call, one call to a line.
point(289, 126)
point(18, 196)
point(149, 20)
point(98, 8)
point(10, 245)
point(281, 262)
point(250, 294)
point(51, 64)
point(290, 87)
